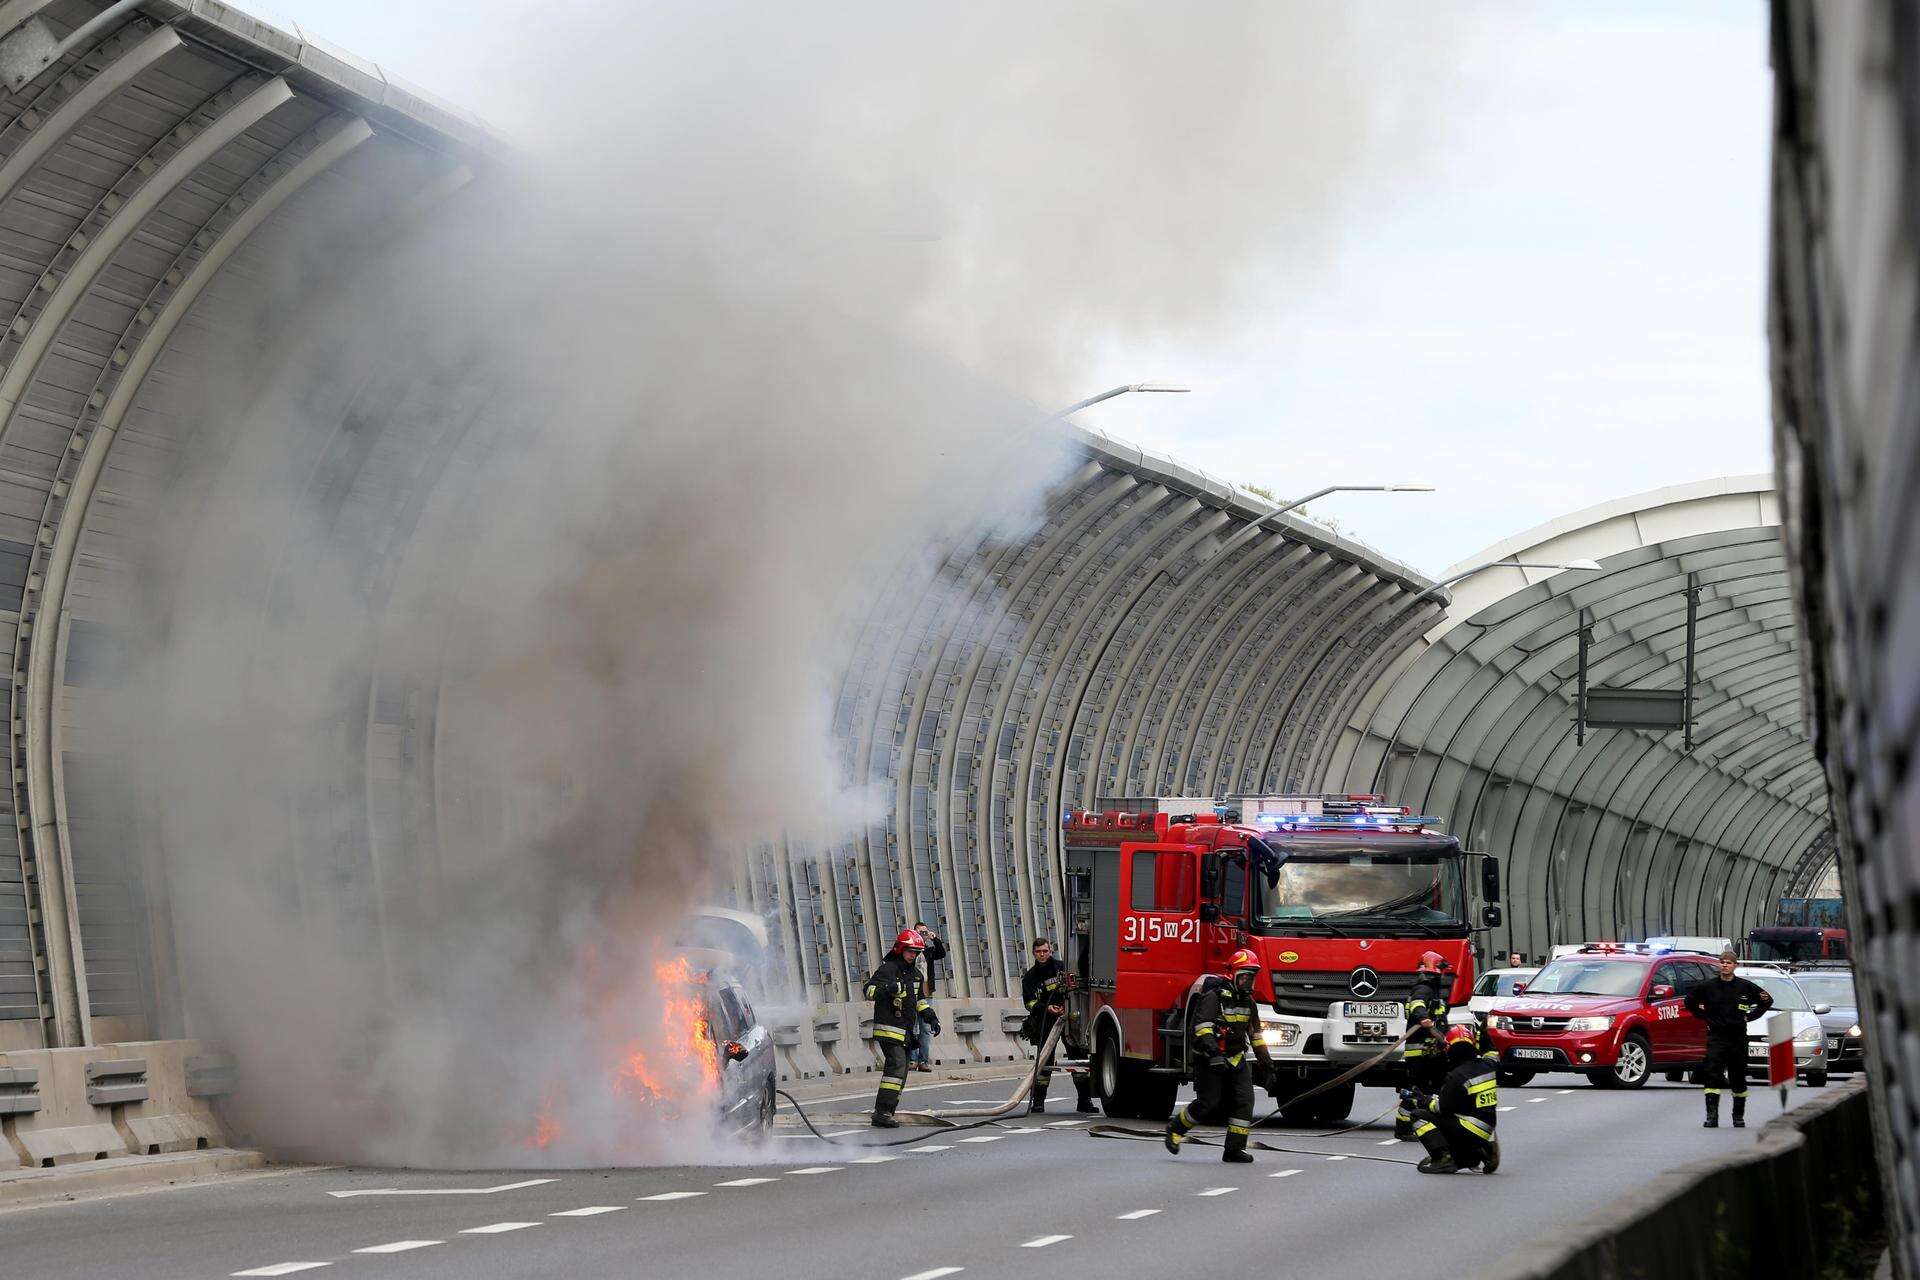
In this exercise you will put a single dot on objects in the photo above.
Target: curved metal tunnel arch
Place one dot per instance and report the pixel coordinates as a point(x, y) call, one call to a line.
point(1624, 835)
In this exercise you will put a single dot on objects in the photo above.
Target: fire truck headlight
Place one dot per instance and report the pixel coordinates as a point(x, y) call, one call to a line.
point(1279, 1035)
point(1589, 1024)
point(1500, 1022)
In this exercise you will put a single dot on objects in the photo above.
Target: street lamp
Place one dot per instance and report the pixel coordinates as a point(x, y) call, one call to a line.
point(1584, 566)
point(1318, 494)
point(1164, 388)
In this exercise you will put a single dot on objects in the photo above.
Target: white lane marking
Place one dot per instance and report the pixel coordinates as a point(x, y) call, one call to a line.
point(1390, 1142)
point(817, 1168)
point(919, 1150)
point(922, 1088)
point(591, 1211)
point(1336, 1157)
point(674, 1195)
point(442, 1191)
point(746, 1182)
point(985, 1137)
point(1284, 1173)
point(1536, 1099)
point(398, 1246)
point(1065, 1124)
point(868, 1160)
point(1217, 1191)
point(288, 1268)
point(1136, 1215)
point(1043, 1241)
point(495, 1228)
point(1507, 1108)
point(1562, 1092)
point(840, 1133)
point(936, 1273)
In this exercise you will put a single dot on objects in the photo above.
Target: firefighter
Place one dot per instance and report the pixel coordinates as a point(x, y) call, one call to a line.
point(1226, 1023)
point(1726, 1004)
point(1044, 988)
point(897, 994)
point(1456, 1124)
point(1427, 1015)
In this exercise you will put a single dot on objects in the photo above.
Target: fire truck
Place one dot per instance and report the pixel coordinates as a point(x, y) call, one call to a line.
point(1339, 895)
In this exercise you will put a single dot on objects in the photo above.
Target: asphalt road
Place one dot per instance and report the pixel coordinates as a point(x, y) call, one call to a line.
point(1002, 1201)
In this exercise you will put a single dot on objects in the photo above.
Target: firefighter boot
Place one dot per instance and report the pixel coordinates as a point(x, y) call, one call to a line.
point(1083, 1087)
point(1438, 1164)
point(1713, 1110)
point(1739, 1110)
point(884, 1120)
point(1037, 1105)
point(1177, 1130)
point(1236, 1152)
point(1490, 1162)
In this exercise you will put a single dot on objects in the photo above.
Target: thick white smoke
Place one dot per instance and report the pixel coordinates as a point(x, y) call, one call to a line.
point(588, 479)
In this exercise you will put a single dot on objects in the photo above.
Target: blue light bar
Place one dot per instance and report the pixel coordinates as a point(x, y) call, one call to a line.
point(1373, 821)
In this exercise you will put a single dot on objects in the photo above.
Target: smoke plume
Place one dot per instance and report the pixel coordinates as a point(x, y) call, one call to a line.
point(508, 583)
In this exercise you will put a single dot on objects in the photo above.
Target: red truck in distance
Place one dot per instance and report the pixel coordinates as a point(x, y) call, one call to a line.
point(1339, 895)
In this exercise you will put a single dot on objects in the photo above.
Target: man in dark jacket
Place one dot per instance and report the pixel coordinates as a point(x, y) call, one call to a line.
point(1456, 1124)
point(1427, 1017)
point(897, 993)
point(1044, 989)
point(1726, 1004)
point(921, 1057)
point(1226, 1024)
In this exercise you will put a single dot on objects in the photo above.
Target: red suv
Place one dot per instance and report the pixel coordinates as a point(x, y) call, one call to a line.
point(1609, 1013)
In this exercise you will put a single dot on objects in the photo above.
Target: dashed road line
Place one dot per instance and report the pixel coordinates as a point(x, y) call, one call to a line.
point(497, 1228)
point(1388, 1142)
point(1284, 1173)
point(923, 1150)
point(985, 1137)
point(935, 1274)
point(1536, 1099)
point(1562, 1092)
point(399, 1246)
point(871, 1160)
point(1066, 1124)
point(288, 1268)
point(1336, 1157)
point(1042, 1242)
point(1135, 1216)
point(1217, 1191)
point(841, 1133)
point(442, 1191)
point(676, 1195)
point(746, 1182)
point(1509, 1108)
point(591, 1211)
point(817, 1168)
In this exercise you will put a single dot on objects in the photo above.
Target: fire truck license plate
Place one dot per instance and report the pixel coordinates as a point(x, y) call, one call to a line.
point(1357, 1009)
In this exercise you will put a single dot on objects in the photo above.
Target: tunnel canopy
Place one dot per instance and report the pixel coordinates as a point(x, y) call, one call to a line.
point(1614, 832)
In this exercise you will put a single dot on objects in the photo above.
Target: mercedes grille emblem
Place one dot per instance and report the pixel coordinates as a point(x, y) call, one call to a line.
point(1364, 982)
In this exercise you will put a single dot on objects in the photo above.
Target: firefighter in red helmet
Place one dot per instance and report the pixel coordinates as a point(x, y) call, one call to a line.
point(897, 994)
point(1226, 1024)
point(1456, 1122)
point(1427, 1019)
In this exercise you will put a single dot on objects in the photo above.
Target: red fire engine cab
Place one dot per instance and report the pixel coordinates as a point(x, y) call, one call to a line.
point(1339, 895)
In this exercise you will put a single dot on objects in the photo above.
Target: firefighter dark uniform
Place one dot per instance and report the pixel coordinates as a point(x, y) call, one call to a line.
point(1456, 1125)
point(1043, 985)
point(896, 991)
point(1425, 1056)
point(1726, 1005)
point(1226, 1025)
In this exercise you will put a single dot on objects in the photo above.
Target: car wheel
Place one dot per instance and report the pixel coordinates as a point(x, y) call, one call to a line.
point(1817, 1079)
point(1632, 1065)
point(1514, 1077)
point(762, 1124)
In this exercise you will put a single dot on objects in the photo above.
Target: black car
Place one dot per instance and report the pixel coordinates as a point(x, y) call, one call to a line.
point(1846, 1041)
point(747, 1066)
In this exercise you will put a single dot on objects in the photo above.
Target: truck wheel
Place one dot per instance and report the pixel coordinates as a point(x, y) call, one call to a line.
point(1514, 1077)
point(1111, 1080)
point(1332, 1107)
point(1155, 1096)
point(1631, 1067)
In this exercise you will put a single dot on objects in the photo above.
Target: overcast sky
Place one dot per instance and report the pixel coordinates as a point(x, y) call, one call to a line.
point(1558, 301)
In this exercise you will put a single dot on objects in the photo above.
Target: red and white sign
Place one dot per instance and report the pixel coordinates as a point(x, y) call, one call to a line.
point(1779, 1049)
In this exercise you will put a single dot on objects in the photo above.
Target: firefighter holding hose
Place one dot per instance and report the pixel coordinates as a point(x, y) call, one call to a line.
point(1427, 1023)
point(898, 994)
point(1225, 1026)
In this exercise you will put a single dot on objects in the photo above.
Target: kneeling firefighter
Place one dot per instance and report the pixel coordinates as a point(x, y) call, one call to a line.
point(1456, 1127)
point(1225, 1025)
point(897, 994)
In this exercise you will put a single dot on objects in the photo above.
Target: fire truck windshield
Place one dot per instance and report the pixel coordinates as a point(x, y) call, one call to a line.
point(1424, 895)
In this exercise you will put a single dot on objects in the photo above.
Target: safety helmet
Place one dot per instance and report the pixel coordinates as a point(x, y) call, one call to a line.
point(1433, 962)
point(1460, 1035)
point(1244, 958)
point(909, 940)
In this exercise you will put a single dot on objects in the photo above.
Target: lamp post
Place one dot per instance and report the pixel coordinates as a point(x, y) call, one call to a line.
point(1161, 388)
point(1585, 566)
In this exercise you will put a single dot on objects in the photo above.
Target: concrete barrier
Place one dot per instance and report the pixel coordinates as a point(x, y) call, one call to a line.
point(176, 1113)
point(1784, 1205)
point(63, 1125)
point(69, 1106)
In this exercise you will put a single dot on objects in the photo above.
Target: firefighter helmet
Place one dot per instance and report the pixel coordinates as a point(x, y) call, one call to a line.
point(909, 940)
point(1459, 1035)
point(1433, 962)
point(1244, 958)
